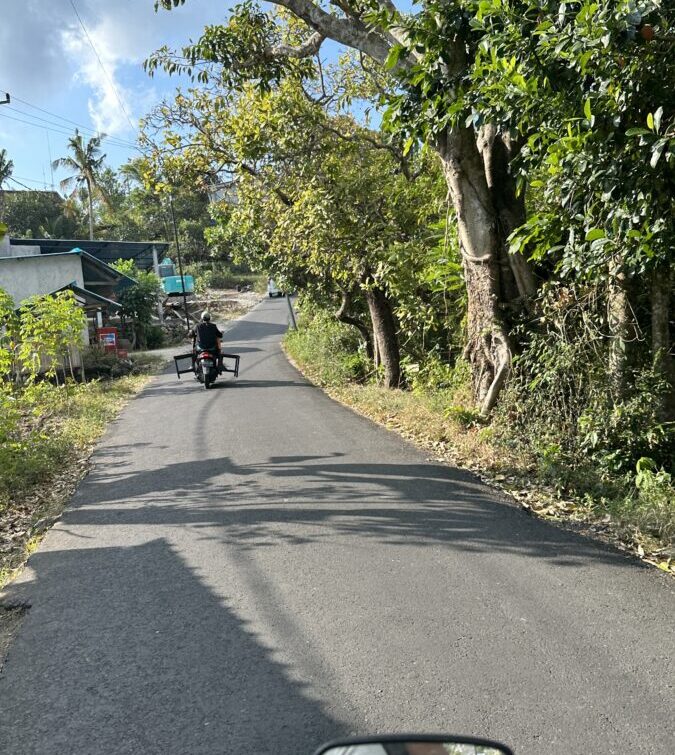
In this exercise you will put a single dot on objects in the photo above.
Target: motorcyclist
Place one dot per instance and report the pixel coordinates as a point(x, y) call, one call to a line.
point(207, 337)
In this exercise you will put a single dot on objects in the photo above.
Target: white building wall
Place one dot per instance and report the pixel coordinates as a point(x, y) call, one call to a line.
point(22, 277)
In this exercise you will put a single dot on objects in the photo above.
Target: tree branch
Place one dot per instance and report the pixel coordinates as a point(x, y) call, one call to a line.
point(347, 31)
point(305, 50)
point(285, 199)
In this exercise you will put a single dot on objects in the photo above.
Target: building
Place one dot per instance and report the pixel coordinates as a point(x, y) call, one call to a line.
point(145, 254)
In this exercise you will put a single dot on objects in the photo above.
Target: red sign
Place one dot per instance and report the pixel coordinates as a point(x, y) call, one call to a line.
point(107, 337)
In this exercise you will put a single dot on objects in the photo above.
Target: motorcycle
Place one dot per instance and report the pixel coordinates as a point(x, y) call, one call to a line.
point(207, 367)
point(414, 744)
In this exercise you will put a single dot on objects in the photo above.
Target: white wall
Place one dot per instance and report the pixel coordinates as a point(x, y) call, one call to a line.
point(7, 249)
point(22, 277)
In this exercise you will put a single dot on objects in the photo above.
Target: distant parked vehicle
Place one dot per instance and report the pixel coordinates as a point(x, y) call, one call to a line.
point(272, 289)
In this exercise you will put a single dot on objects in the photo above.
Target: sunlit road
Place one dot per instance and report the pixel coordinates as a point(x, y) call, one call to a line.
point(256, 569)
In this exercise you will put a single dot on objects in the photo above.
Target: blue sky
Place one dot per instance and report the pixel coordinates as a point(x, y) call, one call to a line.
point(47, 62)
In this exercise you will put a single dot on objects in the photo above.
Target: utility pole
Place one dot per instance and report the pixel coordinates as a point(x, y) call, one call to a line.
point(180, 262)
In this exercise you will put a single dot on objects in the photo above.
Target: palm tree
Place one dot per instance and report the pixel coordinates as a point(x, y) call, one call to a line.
point(6, 167)
point(86, 161)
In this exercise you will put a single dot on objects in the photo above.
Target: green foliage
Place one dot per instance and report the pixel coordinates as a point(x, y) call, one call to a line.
point(49, 327)
point(9, 335)
point(592, 102)
point(222, 275)
point(330, 350)
point(615, 434)
point(154, 337)
point(139, 301)
point(41, 214)
point(6, 167)
point(559, 404)
point(240, 48)
point(653, 508)
point(134, 211)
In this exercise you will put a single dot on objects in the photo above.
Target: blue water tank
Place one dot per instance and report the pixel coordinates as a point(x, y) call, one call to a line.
point(172, 284)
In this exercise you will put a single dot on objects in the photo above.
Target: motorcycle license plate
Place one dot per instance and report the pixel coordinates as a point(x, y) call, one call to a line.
point(207, 363)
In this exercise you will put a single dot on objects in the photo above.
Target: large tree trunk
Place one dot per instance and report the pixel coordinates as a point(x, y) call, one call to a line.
point(343, 316)
point(488, 346)
point(497, 151)
point(386, 337)
point(662, 291)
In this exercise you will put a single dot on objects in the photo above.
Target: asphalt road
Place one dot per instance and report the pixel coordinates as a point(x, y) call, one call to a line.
point(257, 569)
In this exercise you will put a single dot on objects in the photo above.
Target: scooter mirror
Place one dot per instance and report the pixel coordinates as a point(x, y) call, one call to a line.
point(415, 745)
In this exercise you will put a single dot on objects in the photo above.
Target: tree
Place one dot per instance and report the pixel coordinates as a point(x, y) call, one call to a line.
point(49, 326)
point(252, 47)
point(320, 201)
point(136, 212)
point(86, 161)
point(138, 301)
point(6, 167)
point(42, 214)
point(458, 67)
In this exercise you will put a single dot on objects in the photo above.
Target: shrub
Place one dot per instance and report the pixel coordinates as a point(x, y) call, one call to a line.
point(154, 336)
point(139, 301)
point(99, 363)
point(331, 350)
point(653, 510)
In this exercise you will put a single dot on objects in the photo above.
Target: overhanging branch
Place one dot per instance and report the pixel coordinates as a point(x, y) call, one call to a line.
point(347, 31)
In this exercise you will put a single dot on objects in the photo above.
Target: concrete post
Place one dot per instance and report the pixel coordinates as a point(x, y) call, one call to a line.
point(155, 264)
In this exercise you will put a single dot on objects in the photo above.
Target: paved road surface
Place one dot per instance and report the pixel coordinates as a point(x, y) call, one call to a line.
point(256, 569)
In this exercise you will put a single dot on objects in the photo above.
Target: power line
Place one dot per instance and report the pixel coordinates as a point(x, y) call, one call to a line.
point(121, 142)
point(100, 62)
point(20, 184)
point(54, 115)
point(110, 139)
point(58, 130)
point(31, 180)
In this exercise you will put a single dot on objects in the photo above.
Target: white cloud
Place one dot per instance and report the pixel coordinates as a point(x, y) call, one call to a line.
point(43, 50)
point(109, 100)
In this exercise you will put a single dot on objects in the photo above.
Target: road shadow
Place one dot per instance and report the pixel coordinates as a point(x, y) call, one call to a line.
point(272, 503)
point(164, 667)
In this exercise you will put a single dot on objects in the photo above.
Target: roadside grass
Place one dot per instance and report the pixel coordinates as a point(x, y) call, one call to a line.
point(46, 454)
point(639, 519)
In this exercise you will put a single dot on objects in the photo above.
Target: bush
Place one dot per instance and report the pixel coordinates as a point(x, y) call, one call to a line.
point(653, 509)
point(434, 374)
point(616, 435)
point(222, 275)
point(139, 301)
point(99, 363)
point(154, 336)
point(330, 349)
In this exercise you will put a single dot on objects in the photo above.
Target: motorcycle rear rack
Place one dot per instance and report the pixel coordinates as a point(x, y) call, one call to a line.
point(186, 363)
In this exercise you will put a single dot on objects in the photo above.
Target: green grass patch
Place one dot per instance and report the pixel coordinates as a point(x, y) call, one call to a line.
point(328, 350)
point(46, 437)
